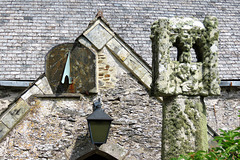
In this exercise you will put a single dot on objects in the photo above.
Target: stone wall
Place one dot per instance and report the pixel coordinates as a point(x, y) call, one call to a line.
point(223, 110)
point(135, 124)
point(56, 128)
point(8, 95)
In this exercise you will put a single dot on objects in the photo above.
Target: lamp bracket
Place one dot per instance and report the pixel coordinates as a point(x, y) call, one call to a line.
point(97, 104)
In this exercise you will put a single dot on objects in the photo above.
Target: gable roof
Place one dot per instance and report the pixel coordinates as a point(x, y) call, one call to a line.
point(97, 36)
point(29, 30)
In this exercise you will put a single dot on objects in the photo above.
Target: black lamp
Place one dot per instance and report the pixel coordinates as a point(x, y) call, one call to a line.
point(98, 124)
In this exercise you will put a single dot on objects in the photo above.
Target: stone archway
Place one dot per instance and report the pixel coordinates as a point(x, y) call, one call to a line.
point(97, 155)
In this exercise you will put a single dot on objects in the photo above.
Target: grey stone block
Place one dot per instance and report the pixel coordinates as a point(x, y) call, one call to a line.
point(123, 54)
point(114, 45)
point(135, 66)
point(147, 79)
point(19, 109)
point(44, 86)
point(33, 90)
point(118, 49)
point(9, 120)
point(99, 36)
point(85, 42)
point(3, 130)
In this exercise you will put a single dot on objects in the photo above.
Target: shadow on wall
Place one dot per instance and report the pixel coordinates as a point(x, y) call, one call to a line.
point(85, 150)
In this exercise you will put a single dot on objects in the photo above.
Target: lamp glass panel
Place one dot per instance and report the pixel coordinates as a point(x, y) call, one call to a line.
point(99, 131)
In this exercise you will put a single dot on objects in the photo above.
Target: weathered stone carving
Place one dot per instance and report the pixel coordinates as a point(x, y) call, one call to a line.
point(184, 83)
point(184, 77)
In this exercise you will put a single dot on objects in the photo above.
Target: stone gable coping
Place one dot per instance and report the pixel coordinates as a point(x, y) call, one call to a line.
point(92, 38)
point(99, 30)
point(21, 105)
point(99, 34)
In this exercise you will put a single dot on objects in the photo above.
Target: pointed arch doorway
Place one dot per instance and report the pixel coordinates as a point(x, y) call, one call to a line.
point(97, 155)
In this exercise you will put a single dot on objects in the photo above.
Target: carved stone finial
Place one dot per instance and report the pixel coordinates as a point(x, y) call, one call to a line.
point(99, 14)
point(184, 77)
point(183, 83)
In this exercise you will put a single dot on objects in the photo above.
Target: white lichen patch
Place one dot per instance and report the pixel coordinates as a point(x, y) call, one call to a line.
point(185, 23)
point(214, 48)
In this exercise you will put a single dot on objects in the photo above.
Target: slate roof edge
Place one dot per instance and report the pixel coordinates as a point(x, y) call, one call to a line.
point(22, 93)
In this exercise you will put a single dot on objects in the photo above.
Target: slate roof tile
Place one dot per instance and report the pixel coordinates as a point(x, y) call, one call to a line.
point(29, 30)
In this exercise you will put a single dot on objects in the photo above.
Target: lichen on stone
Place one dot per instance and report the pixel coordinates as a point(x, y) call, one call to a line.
point(184, 83)
point(185, 34)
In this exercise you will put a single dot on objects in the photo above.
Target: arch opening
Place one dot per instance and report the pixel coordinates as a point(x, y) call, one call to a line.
point(173, 53)
point(199, 50)
point(193, 55)
point(178, 48)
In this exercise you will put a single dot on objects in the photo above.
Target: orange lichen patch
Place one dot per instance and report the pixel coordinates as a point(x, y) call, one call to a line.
point(107, 75)
point(107, 67)
point(35, 107)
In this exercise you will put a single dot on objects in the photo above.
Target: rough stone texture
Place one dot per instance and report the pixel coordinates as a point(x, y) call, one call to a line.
point(129, 108)
point(225, 117)
point(16, 110)
point(183, 76)
point(122, 53)
point(184, 126)
point(223, 110)
point(107, 69)
point(15, 113)
point(57, 128)
point(7, 96)
point(83, 58)
point(184, 117)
